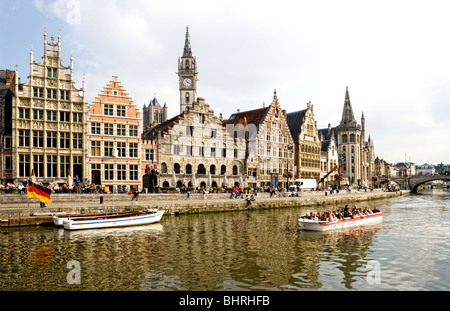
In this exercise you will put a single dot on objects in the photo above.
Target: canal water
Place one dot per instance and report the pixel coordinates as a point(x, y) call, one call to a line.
point(254, 250)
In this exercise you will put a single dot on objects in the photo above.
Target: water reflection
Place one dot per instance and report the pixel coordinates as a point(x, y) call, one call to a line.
point(257, 250)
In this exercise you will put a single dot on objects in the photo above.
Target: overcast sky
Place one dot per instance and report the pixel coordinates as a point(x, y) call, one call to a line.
point(394, 56)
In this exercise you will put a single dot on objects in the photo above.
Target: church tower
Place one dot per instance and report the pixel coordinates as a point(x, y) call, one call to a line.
point(187, 75)
point(349, 147)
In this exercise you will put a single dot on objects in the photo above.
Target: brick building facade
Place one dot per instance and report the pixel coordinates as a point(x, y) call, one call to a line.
point(115, 139)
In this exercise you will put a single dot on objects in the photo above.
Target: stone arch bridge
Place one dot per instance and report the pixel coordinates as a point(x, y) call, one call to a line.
point(415, 181)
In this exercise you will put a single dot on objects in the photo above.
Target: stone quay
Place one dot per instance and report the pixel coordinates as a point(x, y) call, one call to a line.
point(15, 210)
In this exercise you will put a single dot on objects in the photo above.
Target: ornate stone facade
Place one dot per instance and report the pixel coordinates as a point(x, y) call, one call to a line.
point(195, 150)
point(357, 161)
point(49, 121)
point(307, 143)
point(269, 151)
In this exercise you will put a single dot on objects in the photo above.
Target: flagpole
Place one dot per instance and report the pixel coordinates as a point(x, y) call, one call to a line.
point(28, 183)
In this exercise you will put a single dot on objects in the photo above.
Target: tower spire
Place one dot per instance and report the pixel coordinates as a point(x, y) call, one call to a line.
point(187, 45)
point(187, 75)
point(348, 119)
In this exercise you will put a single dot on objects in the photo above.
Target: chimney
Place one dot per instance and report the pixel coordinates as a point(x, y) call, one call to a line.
point(329, 127)
point(239, 110)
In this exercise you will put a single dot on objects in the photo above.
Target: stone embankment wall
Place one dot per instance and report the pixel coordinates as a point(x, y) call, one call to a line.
point(15, 210)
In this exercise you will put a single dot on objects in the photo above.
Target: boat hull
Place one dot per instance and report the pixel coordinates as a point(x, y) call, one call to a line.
point(313, 225)
point(58, 220)
point(137, 219)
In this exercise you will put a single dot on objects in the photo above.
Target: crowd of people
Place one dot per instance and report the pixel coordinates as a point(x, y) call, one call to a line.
point(12, 188)
point(341, 214)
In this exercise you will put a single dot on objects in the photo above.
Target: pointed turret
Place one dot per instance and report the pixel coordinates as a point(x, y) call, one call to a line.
point(187, 52)
point(187, 75)
point(348, 119)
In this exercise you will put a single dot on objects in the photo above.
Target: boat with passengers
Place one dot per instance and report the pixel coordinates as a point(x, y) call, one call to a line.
point(340, 219)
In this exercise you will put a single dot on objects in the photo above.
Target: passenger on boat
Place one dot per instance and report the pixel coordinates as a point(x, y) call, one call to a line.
point(367, 211)
point(314, 216)
point(376, 210)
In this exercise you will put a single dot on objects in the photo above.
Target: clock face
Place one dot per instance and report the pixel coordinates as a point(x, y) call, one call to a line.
point(187, 82)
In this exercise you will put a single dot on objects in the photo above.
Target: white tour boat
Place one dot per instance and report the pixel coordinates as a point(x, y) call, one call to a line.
point(113, 220)
point(314, 225)
point(58, 218)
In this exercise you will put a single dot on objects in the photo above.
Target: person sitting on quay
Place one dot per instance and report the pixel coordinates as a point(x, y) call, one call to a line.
point(250, 200)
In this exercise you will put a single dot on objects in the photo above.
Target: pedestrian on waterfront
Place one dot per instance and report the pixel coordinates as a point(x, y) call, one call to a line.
point(188, 195)
point(135, 194)
point(249, 201)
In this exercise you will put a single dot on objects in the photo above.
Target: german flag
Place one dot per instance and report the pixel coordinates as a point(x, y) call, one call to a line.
point(39, 192)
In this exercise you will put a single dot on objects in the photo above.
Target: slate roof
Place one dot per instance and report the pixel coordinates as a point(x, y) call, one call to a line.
point(255, 116)
point(295, 121)
point(328, 132)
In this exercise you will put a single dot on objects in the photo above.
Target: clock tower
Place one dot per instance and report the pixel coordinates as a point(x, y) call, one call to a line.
point(187, 75)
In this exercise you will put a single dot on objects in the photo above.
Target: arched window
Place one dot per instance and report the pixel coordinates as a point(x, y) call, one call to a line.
point(344, 138)
point(223, 170)
point(187, 64)
point(352, 138)
point(164, 168)
point(235, 170)
point(176, 168)
point(166, 184)
point(188, 169)
point(201, 170)
point(212, 169)
point(187, 98)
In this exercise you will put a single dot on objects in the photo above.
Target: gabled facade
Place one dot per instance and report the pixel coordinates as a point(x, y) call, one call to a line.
point(49, 121)
point(269, 151)
point(115, 139)
point(307, 143)
point(195, 150)
point(329, 157)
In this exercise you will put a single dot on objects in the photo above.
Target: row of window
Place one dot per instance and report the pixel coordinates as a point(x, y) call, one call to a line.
point(51, 163)
point(51, 115)
point(267, 168)
point(109, 150)
point(190, 132)
point(121, 171)
point(201, 169)
point(51, 138)
point(352, 138)
point(108, 110)
point(108, 129)
point(200, 151)
point(267, 150)
point(51, 93)
point(310, 149)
